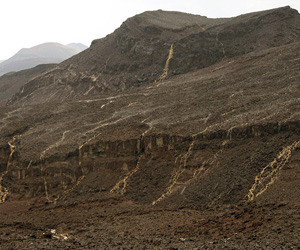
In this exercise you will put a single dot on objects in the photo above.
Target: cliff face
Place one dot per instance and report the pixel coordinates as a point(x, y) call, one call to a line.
point(230, 166)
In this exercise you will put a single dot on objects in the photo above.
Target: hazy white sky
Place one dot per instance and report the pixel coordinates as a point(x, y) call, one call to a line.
point(26, 23)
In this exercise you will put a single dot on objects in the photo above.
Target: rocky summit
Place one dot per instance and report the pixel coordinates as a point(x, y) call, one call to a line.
point(176, 131)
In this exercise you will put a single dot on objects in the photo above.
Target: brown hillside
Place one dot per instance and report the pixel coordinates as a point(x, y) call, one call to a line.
point(136, 53)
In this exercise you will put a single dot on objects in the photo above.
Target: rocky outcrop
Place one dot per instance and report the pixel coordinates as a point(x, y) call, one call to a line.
point(156, 168)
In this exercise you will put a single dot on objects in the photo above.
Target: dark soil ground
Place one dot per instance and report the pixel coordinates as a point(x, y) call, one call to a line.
point(121, 224)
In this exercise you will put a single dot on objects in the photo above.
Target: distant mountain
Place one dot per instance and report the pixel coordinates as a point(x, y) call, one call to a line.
point(26, 64)
point(41, 54)
point(79, 46)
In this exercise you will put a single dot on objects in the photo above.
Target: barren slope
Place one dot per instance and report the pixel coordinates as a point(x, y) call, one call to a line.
point(252, 96)
point(135, 54)
point(11, 83)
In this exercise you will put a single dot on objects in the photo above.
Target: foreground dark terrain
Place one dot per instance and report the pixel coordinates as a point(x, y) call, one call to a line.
point(174, 132)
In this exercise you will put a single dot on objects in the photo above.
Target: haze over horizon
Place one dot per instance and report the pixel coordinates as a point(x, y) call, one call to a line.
point(32, 22)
